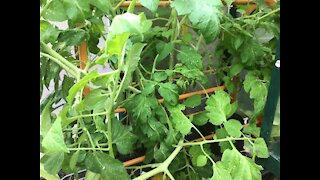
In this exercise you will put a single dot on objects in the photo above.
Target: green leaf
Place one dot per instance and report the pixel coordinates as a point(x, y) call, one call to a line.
point(53, 162)
point(235, 69)
point(74, 159)
point(154, 129)
point(258, 90)
point(141, 106)
point(103, 80)
point(77, 11)
point(197, 154)
point(67, 83)
point(252, 129)
point(109, 168)
point(163, 152)
point(73, 37)
point(194, 74)
point(79, 85)
point(260, 148)
point(92, 176)
point(46, 175)
point(220, 173)
point(169, 92)
point(159, 76)
point(193, 101)
point(233, 127)
point(55, 11)
point(177, 163)
point(131, 64)
point(104, 57)
point(229, 84)
point(53, 141)
point(200, 119)
point(237, 42)
point(48, 33)
point(45, 123)
point(163, 49)
point(250, 77)
point(103, 5)
point(221, 134)
point(201, 160)
point(251, 52)
point(129, 23)
point(229, 3)
point(122, 27)
point(99, 122)
point(122, 137)
point(182, 123)
point(95, 99)
point(190, 57)
point(239, 166)
point(152, 5)
point(218, 107)
point(148, 88)
point(204, 15)
point(115, 45)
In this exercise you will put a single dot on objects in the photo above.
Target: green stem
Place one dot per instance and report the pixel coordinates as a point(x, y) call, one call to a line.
point(230, 141)
point(114, 95)
point(131, 6)
point(76, 149)
point(159, 18)
point(154, 65)
point(144, 69)
point(118, 90)
point(168, 121)
point(228, 31)
point(86, 115)
point(248, 139)
point(90, 138)
point(207, 95)
point(199, 42)
point(187, 160)
point(109, 135)
point(135, 90)
point(70, 71)
point(56, 55)
point(214, 141)
point(144, 166)
point(264, 16)
point(164, 166)
point(207, 155)
point(172, 38)
point(179, 26)
point(194, 127)
point(268, 14)
point(44, 8)
point(118, 5)
point(169, 174)
point(254, 157)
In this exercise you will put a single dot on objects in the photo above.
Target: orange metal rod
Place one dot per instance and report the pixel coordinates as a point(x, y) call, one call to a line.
point(133, 161)
point(83, 57)
point(183, 96)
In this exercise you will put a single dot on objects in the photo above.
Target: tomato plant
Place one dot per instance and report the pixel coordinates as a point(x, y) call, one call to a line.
point(156, 56)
